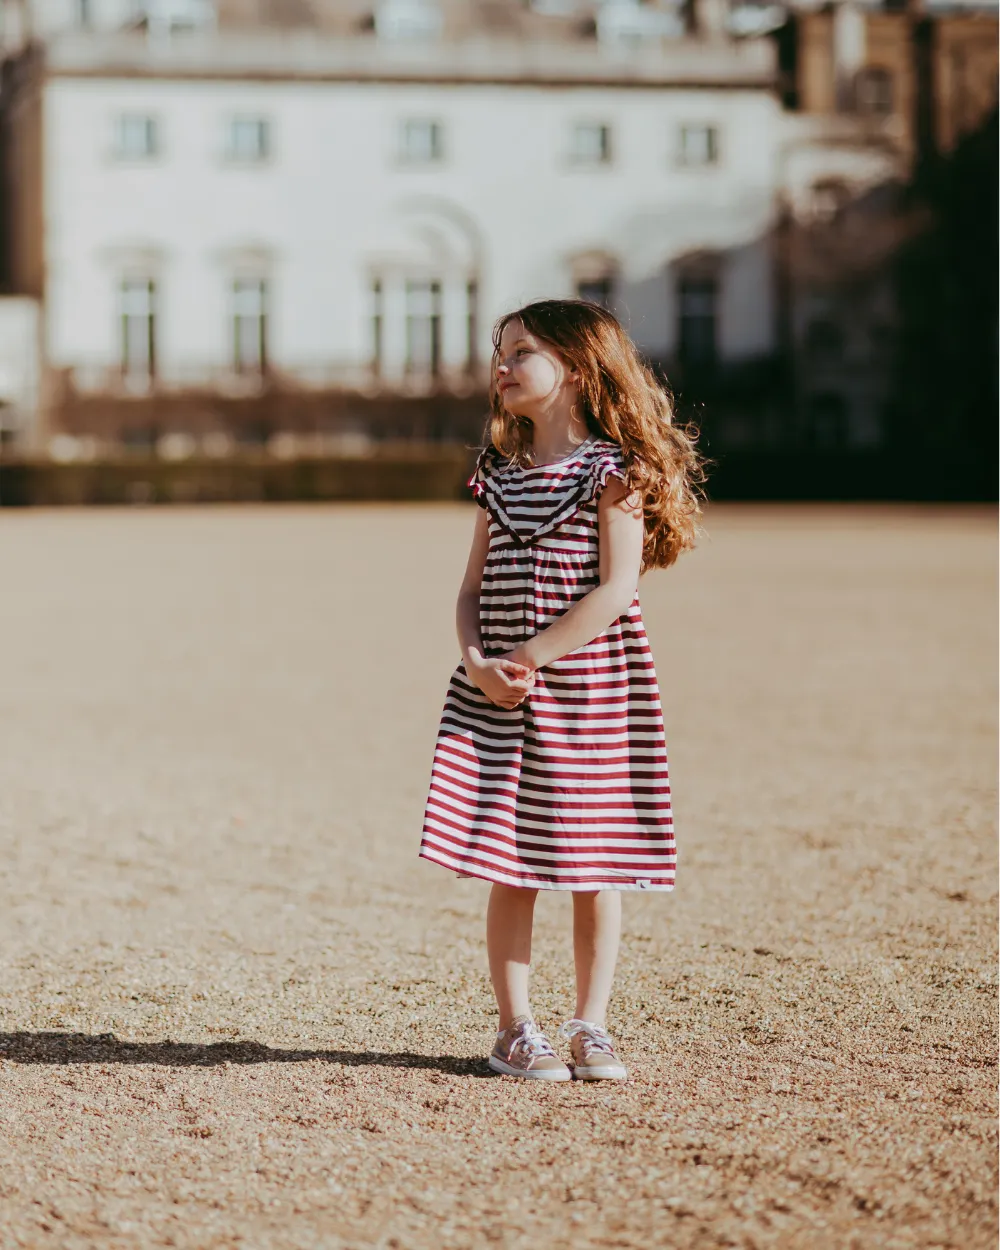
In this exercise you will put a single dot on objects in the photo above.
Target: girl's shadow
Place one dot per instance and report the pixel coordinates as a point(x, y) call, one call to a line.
point(65, 1048)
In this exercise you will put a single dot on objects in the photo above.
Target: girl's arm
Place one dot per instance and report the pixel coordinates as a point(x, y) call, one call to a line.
point(502, 680)
point(620, 537)
point(467, 609)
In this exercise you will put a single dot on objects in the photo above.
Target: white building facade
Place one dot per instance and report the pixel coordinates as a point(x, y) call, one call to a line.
point(204, 210)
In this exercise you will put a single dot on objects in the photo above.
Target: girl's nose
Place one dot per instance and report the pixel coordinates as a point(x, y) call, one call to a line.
point(502, 368)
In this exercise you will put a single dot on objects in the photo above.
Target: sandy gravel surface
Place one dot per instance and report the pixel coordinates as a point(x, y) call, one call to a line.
point(236, 1011)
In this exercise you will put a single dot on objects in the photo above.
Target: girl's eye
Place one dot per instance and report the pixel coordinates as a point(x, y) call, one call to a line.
point(523, 351)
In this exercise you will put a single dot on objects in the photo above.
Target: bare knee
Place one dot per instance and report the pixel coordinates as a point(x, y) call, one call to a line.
point(513, 896)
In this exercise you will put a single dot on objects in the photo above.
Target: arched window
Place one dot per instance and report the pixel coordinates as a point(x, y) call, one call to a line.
point(137, 304)
point(698, 316)
point(595, 278)
point(249, 303)
point(423, 328)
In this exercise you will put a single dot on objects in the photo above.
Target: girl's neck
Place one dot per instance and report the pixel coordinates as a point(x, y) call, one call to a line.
point(557, 437)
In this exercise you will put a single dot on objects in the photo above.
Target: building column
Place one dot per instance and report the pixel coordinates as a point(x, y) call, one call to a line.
point(849, 38)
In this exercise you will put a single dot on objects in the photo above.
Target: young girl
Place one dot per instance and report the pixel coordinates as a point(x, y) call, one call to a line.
point(550, 771)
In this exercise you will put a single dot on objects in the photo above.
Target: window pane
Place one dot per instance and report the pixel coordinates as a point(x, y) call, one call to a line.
point(827, 417)
point(248, 138)
point(421, 140)
point(698, 297)
point(472, 324)
point(378, 320)
point(423, 327)
point(591, 143)
point(595, 291)
point(248, 297)
point(699, 145)
point(824, 338)
point(249, 324)
point(136, 136)
point(137, 323)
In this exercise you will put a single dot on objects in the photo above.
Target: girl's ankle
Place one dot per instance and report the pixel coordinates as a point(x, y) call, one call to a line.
point(504, 1024)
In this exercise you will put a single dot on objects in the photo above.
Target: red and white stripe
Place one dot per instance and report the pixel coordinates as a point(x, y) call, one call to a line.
point(569, 791)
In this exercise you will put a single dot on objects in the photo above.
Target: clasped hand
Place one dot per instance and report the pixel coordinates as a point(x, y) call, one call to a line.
point(504, 682)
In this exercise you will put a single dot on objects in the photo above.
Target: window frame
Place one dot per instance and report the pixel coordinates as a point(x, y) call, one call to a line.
point(242, 284)
point(710, 280)
point(232, 151)
point(124, 153)
point(128, 284)
point(605, 283)
point(712, 159)
point(581, 159)
point(405, 149)
point(434, 288)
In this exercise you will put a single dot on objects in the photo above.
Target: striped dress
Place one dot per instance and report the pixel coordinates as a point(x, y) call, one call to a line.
point(569, 791)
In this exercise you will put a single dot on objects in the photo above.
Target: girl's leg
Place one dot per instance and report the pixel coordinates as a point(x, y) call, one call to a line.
point(508, 943)
point(597, 924)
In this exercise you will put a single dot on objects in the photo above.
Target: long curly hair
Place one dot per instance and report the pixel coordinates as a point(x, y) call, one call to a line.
point(622, 400)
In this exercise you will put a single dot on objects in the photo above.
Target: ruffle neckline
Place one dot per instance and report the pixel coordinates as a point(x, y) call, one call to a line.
point(578, 479)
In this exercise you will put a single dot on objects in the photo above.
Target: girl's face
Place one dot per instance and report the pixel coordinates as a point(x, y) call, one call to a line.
point(531, 375)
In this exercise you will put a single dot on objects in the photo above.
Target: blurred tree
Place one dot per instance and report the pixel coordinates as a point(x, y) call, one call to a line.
point(946, 406)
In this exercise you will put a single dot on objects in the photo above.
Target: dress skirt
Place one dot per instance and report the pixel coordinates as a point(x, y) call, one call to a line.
point(570, 790)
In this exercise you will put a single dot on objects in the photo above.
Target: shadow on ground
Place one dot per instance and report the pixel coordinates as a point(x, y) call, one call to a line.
point(59, 1048)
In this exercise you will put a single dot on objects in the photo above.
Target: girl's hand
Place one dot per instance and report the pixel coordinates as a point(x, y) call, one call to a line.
point(520, 657)
point(502, 681)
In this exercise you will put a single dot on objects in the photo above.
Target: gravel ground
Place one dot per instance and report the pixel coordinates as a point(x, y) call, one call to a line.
point(237, 1011)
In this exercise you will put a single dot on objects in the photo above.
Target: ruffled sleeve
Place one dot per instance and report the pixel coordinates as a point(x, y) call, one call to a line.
point(608, 464)
point(486, 462)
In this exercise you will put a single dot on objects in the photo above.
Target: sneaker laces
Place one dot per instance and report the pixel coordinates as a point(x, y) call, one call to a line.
point(533, 1042)
point(594, 1037)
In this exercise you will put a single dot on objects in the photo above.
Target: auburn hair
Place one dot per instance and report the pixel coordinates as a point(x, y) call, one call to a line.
point(621, 399)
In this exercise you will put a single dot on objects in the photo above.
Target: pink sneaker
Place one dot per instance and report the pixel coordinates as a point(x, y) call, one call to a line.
point(593, 1051)
point(524, 1050)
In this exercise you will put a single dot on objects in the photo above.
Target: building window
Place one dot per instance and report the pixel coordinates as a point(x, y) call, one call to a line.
point(163, 17)
point(698, 298)
point(590, 144)
point(83, 14)
point(873, 93)
point(421, 142)
point(378, 327)
point(137, 299)
point(136, 137)
point(824, 340)
point(248, 140)
point(250, 325)
point(423, 328)
point(596, 291)
point(826, 417)
point(398, 20)
point(472, 325)
point(699, 145)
